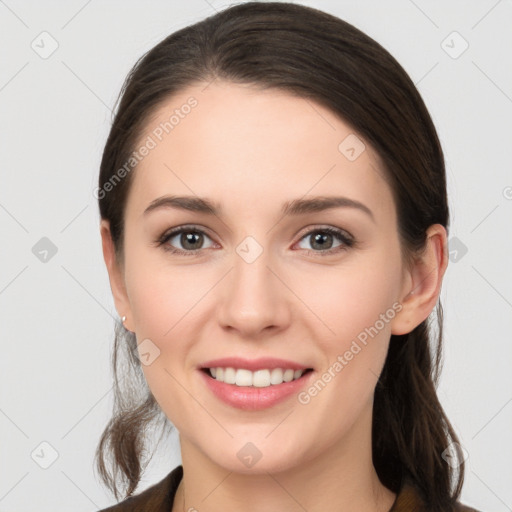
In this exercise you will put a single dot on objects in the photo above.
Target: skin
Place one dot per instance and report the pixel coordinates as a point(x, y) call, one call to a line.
point(250, 151)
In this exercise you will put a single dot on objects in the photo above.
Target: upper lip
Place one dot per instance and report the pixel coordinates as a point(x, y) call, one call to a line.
point(253, 364)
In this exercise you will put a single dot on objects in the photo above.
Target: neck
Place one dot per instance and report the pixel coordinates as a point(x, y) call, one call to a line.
point(342, 478)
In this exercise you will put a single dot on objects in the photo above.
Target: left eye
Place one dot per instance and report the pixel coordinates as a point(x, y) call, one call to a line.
point(323, 239)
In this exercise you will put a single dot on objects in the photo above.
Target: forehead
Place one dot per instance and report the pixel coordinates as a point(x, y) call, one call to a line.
point(238, 143)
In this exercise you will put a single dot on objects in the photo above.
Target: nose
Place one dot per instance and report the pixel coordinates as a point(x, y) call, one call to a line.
point(254, 301)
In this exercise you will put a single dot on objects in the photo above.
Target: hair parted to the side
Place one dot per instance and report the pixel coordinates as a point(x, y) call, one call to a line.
point(314, 55)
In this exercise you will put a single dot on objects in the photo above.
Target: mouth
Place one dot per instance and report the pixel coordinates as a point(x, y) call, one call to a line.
point(262, 378)
point(255, 384)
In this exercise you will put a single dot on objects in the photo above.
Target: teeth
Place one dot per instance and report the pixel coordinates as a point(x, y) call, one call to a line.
point(258, 379)
point(229, 376)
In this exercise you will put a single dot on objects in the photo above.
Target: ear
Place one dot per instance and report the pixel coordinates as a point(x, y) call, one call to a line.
point(115, 274)
point(422, 283)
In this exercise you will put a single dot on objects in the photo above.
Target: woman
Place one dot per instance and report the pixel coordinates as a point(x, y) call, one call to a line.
point(274, 224)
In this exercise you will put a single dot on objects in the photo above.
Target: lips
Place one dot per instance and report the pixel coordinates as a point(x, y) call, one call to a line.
point(253, 397)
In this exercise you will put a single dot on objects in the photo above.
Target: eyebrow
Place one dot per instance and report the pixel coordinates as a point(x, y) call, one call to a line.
point(289, 208)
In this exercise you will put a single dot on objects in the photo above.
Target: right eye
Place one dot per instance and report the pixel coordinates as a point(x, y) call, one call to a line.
point(191, 240)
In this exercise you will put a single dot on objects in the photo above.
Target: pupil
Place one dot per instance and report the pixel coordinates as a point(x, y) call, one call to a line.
point(320, 238)
point(188, 238)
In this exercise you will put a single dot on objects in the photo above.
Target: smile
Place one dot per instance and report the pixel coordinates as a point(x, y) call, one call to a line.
point(260, 378)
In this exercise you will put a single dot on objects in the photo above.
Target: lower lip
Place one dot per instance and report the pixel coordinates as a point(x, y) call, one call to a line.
point(253, 398)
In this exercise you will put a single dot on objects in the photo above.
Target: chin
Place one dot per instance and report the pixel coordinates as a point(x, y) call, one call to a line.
point(250, 458)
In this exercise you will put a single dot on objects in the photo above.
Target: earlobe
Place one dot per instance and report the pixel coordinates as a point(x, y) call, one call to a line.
point(423, 283)
point(116, 274)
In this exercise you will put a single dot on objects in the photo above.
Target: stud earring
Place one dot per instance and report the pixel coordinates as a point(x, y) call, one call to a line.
point(123, 319)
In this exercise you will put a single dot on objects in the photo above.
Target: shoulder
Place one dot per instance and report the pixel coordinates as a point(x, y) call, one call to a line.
point(158, 497)
point(459, 507)
point(410, 499)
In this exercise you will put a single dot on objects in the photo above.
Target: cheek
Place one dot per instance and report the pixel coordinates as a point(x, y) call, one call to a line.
point(351, 298)
point(160, 294)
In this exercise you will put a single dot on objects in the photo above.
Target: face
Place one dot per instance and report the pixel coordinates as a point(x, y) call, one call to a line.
point(319, 288)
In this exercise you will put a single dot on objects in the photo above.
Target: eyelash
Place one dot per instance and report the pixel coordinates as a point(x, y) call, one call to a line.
point(346, 240)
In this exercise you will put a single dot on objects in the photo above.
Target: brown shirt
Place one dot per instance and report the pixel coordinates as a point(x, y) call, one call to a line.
point(160, 497)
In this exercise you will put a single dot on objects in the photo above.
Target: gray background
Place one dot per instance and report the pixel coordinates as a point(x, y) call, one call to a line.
point(56, 310)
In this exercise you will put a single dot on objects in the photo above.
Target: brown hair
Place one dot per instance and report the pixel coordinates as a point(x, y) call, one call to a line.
point(314, 55)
